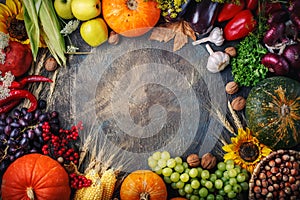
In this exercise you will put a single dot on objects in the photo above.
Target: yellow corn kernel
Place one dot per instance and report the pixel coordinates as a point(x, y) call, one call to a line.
point(92, 192)
point(108, 181)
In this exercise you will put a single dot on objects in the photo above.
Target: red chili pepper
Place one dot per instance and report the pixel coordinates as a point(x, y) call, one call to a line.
point(34, 78)
point(251, 4)
point(9, 106)
point(240, 26)
point(229, 10)
point(20, 94)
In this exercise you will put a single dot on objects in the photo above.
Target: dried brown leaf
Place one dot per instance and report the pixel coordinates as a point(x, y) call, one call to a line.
point(179, 31)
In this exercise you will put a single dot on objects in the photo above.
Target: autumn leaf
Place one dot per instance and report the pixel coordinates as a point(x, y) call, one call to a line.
point(179, 31)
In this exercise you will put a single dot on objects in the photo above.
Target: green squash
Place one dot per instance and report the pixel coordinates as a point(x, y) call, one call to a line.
point(273, 112)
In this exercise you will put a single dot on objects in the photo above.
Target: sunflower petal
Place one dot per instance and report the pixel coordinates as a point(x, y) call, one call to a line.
point(12, 6)
point(4, 12)
point(3, 27)
point(5, 9)
point(228, 147)
point(229, 156)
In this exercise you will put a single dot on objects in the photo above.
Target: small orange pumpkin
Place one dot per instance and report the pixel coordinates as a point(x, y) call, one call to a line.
point(130, 18)
point(35, 176)
point(143, 184)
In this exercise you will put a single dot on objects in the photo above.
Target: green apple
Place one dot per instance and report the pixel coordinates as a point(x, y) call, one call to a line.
point(86, 9)
point(94, 32)
point(63, 9)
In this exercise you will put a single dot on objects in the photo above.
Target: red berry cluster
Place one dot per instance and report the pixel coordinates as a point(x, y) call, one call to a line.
point(59, 144)
point(79, 181)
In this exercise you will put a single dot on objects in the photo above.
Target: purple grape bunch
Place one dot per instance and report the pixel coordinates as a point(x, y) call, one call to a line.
point(21, 132)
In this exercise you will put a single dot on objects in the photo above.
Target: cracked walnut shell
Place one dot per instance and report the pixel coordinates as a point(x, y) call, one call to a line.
point(238, 103)
point(193, 160)
point(231, 87)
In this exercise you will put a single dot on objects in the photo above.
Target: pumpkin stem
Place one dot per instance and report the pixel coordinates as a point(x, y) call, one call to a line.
point(144, 196)
point(132, 4)
point(30, 193)
point(285, 110)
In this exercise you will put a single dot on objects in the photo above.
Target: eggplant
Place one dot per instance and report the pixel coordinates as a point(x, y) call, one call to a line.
point(171, 15)
point(202, 15)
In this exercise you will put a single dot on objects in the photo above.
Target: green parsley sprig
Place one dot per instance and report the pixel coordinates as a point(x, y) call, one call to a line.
point(247, 69)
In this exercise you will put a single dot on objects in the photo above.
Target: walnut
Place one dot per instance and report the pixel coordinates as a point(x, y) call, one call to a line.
point(113, 38)
point(238, 103)
point(193, 160)
point(50, 64)
point(231, 51)
point(231, 87)
point(208, 161)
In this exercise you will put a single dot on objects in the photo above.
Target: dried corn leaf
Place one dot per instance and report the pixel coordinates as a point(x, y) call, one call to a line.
point(32, 25)
point(42, 24)
point(51, 27)
point(180, 31)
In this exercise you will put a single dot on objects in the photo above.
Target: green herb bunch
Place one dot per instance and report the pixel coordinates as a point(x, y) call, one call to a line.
point(247, 69)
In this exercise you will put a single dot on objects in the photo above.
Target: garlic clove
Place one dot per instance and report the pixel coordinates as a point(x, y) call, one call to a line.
point(215, 36)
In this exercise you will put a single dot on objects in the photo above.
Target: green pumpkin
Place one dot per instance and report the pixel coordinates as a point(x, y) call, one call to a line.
point(273, 112)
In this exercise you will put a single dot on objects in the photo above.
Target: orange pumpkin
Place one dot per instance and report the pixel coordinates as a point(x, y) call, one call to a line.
point(35, 176)
point(130, 18)
point(143, 184)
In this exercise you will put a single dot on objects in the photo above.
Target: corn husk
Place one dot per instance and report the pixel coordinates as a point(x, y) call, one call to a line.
point(42, 23)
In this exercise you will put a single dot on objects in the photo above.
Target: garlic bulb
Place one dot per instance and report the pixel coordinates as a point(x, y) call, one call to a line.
point(217, 61)
point(215, 36)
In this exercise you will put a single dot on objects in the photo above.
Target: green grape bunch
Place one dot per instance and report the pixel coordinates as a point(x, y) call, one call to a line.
point(225, 181)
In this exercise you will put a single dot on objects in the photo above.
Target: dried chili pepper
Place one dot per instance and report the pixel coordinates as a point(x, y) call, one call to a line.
point(229, 10)
point(17, 94)
point(9, 106)
point(34, 78)
point(240, 26)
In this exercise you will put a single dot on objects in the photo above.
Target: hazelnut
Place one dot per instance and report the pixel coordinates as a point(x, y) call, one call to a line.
point(193, 160)
point(231, 51)
point(231, 87)
point(238, 103)
point(208, 161)
point(50, 64)
point(113, 38)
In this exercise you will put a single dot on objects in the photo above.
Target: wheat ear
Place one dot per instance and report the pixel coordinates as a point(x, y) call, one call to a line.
point(236, 119)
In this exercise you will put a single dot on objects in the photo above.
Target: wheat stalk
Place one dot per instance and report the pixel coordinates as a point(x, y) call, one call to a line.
point(225, 122)
point(236, 119)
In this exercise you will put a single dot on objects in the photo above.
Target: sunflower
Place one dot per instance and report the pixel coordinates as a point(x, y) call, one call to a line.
point(245, 150)
point(12, 21)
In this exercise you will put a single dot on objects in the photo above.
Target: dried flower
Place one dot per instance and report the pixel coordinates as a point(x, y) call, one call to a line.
point(4, 39)
point(70, 27)
point(71, 49)
point(6, 82)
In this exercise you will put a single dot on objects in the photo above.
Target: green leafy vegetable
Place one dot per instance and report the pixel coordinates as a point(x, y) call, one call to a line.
point(247, 69)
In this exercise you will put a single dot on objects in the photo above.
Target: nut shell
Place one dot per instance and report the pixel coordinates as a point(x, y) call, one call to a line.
point(231, 87)
point(208, 161)
point(231, 51)
point(193, 160)
point(238, 103)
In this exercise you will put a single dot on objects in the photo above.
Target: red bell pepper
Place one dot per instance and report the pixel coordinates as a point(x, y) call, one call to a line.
point(251, 4)
point(229, 10)
point(240, 26)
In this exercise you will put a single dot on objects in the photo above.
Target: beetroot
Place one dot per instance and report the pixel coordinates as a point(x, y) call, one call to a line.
point(18, 59)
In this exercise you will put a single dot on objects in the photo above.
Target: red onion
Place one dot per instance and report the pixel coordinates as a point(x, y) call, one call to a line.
point(278, 16)
point(295, 18)
point(274, 34)
point(275, 63)
point(292, 55)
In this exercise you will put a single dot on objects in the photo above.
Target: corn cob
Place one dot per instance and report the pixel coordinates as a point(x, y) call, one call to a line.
point(92, 192)
point(108, 181)
point(101, 188)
